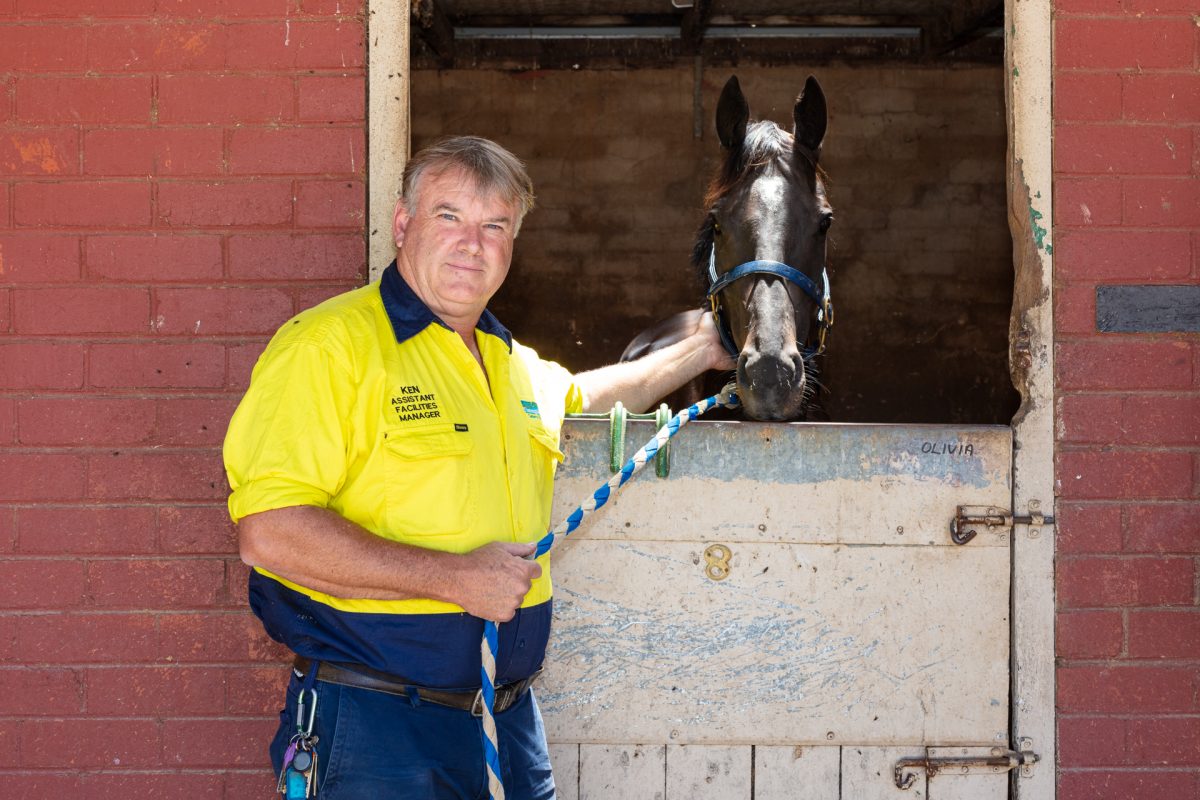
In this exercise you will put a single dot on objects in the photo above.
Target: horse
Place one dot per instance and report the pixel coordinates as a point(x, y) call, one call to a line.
point(761, 250)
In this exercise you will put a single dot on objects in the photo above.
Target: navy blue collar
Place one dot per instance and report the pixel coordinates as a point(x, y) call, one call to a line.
point(409, 315)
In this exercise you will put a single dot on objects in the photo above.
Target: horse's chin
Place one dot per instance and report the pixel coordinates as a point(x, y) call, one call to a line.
point(773, 406)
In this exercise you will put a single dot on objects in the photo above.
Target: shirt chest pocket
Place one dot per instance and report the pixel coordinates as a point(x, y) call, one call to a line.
point(430, 483)
point(544, 459)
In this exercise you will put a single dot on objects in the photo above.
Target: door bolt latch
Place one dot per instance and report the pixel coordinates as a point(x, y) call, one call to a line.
point(999, 760)
point(969, 519)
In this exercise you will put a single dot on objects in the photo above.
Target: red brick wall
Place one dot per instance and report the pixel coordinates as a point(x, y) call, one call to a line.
point(1127, 206)
point(177, 177)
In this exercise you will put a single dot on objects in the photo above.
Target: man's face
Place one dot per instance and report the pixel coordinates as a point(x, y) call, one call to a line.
point(456, 247)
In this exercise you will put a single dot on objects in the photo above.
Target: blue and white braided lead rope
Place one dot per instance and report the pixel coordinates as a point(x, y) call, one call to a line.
point(488, 647)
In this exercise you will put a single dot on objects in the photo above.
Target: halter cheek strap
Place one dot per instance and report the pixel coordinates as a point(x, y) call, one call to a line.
point(819, 296)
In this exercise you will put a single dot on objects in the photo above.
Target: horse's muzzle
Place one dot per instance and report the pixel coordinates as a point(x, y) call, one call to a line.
point(771, 386)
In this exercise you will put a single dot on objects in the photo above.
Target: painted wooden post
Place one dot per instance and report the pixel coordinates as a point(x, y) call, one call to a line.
point(387, 123)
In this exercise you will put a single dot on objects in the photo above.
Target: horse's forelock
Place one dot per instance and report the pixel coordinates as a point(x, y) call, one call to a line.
point(765, 142)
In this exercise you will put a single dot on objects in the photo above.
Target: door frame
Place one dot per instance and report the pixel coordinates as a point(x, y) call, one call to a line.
point(1028, 34)
point(1028, 54)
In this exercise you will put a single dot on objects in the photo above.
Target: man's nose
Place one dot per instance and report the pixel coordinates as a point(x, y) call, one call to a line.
point(471, 242)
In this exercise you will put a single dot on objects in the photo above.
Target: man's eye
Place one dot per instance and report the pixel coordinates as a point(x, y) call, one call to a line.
point(448, 216)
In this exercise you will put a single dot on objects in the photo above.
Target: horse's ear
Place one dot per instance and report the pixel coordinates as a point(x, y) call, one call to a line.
point(732, 115)
point(811, 116)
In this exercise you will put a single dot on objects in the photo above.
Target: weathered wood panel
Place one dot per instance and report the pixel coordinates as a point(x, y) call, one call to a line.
point(629, 772)
point(847, 615)
point(871, 644)
point(785, 773)
point(868, 774)
point(978, 783)
point(815, 483)
point(564, 760)
point(705, 772)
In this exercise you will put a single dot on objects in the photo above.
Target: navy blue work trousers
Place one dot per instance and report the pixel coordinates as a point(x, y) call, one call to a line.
point(378, 746)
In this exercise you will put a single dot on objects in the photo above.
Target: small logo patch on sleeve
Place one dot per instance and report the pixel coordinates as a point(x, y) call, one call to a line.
point(531, 409)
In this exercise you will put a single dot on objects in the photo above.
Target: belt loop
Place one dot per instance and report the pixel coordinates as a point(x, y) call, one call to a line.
point(414, 696)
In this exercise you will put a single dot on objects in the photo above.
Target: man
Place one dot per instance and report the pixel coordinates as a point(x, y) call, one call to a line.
point(391, 465)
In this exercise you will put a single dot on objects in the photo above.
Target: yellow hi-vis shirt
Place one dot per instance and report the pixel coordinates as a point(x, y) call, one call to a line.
point(370, 406)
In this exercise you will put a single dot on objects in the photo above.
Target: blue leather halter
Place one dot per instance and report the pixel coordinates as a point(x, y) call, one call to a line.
point(820, 296)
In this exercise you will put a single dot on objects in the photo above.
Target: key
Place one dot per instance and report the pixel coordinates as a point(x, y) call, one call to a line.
point(302, 771)
point(312, 775)
point(288, 755)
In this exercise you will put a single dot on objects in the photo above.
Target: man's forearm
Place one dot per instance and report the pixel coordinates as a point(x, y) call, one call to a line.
point(321, 550)
point(639, 383)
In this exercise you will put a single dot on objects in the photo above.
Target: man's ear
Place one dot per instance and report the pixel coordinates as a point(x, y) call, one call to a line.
point(400, 223)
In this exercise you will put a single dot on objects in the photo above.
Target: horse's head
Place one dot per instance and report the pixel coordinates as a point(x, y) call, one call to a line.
point(762, 251)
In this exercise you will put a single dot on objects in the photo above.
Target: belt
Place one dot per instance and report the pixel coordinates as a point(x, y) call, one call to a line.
point(463, 699)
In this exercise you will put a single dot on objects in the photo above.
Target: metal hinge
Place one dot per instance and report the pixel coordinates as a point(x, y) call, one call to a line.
point(999, 760)
point(969, 519)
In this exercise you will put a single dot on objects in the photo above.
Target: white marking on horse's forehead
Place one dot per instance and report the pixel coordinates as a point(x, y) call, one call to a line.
point(769, 191)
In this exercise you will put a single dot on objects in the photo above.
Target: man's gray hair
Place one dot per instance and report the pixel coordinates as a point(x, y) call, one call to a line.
point(494, 170)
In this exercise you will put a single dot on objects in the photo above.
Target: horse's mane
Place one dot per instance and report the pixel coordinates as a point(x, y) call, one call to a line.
point(765, 142)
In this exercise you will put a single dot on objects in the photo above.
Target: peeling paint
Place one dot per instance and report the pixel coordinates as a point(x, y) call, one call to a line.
point(1039, 233)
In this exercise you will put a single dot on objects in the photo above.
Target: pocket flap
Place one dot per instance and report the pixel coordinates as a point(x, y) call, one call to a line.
point(542, 436)
point(428, 441)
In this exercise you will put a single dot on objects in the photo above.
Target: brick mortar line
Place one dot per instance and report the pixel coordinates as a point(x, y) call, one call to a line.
point(1143, 715)
point(87, 559)
point(1132, 336)
point(1122, 663)
point(1065, 446)
point(17, 74)
point(1185, 769)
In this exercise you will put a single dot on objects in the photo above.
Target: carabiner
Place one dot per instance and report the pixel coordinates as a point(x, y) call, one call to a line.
point(304, 728)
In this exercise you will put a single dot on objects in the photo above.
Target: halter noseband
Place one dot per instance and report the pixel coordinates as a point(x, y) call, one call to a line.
point(819, 296)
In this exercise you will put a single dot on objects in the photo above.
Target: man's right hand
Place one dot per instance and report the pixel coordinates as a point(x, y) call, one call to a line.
point(494, 579)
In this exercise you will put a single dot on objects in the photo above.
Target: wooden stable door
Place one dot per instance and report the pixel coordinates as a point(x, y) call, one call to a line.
point(786, 615)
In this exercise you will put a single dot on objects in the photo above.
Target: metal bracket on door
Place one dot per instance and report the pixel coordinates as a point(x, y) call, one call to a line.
point(1000, 760)
point(617, 419)
point(970, 517)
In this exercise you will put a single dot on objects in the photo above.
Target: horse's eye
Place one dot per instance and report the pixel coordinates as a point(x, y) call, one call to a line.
point(717, 228)
point(826, 221)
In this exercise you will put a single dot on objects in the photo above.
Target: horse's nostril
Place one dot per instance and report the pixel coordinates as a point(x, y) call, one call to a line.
point(798, 364)
point(775, 370)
